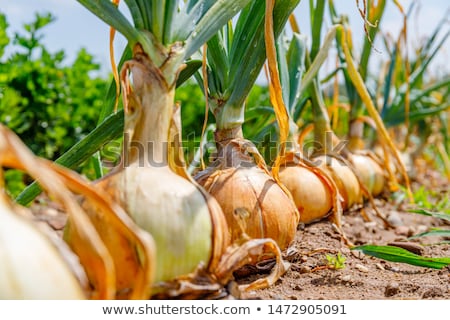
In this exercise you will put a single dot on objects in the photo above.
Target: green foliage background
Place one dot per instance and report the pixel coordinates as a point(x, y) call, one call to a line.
point(49, 103)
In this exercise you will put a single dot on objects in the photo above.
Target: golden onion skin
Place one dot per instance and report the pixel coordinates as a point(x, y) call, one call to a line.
point(119, 247)
point(249, 197)
point(31, 267)
point(345, 179)
point(311, 195)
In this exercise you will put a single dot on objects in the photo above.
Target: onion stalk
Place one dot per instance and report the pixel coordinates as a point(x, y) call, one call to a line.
point(238, 177)
point(313, 190)
point(345, 185)
point(366, 165)
point(362, 91)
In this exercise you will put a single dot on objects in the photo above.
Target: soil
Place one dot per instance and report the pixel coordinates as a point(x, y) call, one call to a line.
point(362, 277)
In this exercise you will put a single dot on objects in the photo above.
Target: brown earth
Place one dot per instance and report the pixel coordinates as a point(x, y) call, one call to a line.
point(362, 277)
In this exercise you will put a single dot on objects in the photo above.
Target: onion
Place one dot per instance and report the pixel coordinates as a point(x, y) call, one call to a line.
point(95, 258)
point(369, 172)
point(151, 184)
point(174, 211)
point(311, 195)
point(344, 177)
point(313, 192)
point(239, 181)
point(32, 268)
point(33, 265)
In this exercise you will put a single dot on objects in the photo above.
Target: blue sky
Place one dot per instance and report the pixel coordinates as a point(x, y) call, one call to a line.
point(75, 27)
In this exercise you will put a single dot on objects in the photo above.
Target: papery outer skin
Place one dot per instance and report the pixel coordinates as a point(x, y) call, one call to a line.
point(249, 190)
point(123, 253)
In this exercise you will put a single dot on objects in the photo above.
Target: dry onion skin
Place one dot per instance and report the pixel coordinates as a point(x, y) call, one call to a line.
point(92, 255)
point(239, 181)
point(311, 195)
point(314, 192)
point(131, 248)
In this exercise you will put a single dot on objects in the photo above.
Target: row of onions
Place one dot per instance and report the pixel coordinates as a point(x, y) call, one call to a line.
point(150, 229)
point(342, 174)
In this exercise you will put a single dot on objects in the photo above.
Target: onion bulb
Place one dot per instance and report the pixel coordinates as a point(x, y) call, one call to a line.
point(151, 184)
point(98, 263)
point(239, 181)
point(369, 172)
point(32, 268)
point(313, 191)
point(344, 177)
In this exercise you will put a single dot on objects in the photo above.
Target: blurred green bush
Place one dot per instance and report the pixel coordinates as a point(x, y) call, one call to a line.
point(49, 103)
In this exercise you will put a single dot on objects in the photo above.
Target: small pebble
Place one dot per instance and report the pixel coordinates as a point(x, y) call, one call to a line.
point(370, 227)
point(394, 219)
point(402, 231)
point(421, 229)
point(346, 278)
point(357, 254)
point(304, 269)
point(361, 268)
point(394, 269)
point(345, 250)
point(392, 289)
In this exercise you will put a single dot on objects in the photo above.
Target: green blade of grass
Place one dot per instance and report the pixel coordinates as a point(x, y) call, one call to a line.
point(415, 115)
point(396, 254)
point(435, 233)
point(440, 215)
